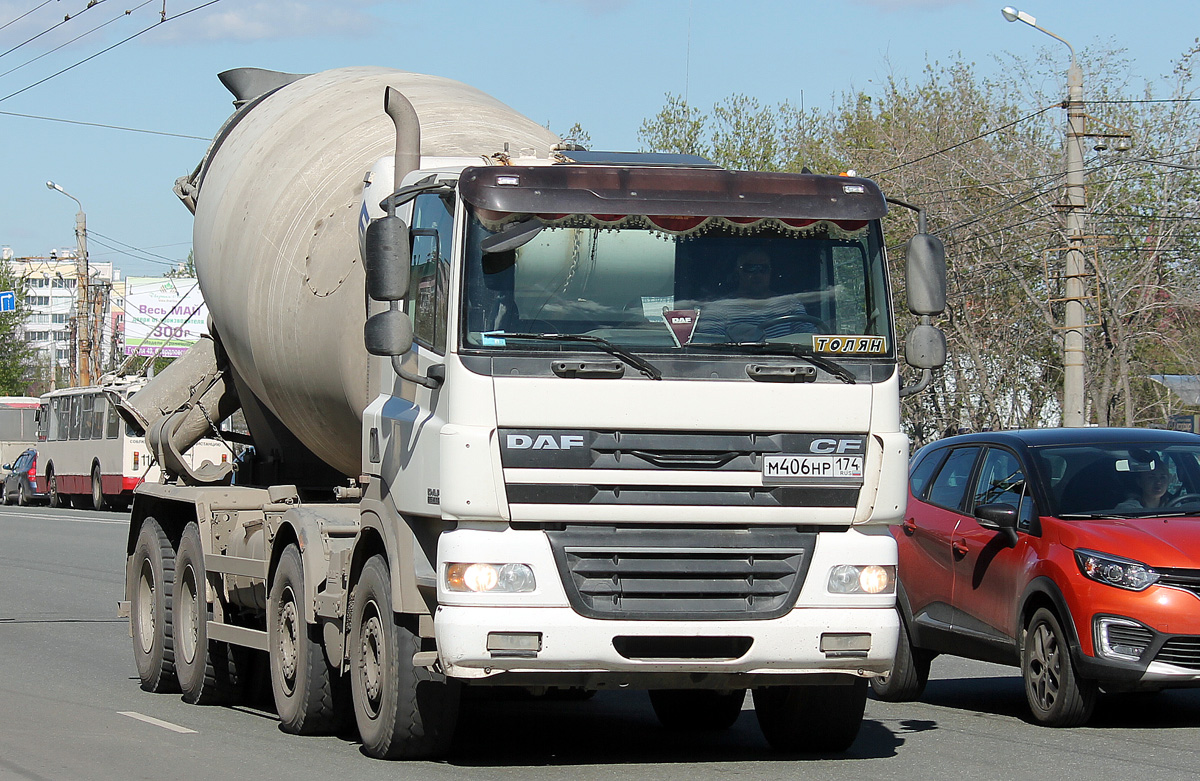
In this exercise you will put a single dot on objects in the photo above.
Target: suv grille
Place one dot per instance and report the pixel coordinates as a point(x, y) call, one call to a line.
point(1181, 651)
point(682, 573)
point(1187, 579)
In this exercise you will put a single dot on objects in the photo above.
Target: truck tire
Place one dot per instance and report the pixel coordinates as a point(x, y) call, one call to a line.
point(822, 719)
point(908, 676)
point(400, 715)
point(204, 667)
point(98, 499)
point(307, 690)
point(153, 568)
point(697, 709)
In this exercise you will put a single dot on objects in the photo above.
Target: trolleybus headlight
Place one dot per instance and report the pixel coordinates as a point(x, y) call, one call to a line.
point(496, 578)
point(867, 579)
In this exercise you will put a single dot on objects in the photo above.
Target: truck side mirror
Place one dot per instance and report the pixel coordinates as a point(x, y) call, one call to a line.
point(925, 347)
point(388, 333)
point(925, 272)
point(387, 259)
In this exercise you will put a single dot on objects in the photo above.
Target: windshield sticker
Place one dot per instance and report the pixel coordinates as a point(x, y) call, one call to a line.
point(493, 339)
point(681, 323)
point(654, 306)
point(849, 345)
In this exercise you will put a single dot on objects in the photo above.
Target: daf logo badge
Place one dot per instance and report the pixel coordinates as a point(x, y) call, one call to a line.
point(543, 442)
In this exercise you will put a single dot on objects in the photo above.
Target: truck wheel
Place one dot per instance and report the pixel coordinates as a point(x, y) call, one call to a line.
point(909, 674)
point(1057, 695)
point(399, 715)
point(153, 570)
point(697, 709)
point(98, 499)
point(306, 689)
point(204, 667)
point(821, 719)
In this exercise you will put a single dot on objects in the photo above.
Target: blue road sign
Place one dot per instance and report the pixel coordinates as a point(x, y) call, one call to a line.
point(8, 301)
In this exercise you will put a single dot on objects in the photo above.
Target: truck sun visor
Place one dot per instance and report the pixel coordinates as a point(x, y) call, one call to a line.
point(685, 195)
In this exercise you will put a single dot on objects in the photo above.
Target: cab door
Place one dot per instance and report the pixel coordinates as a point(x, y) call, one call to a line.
point(413, 416)
point(989, 572)
point(926, 565)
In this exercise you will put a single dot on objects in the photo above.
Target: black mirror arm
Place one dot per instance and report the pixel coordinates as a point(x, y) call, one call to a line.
point(437, 374)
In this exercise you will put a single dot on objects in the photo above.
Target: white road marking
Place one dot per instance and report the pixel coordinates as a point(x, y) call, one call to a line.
point(53, 518)
point(155, 722)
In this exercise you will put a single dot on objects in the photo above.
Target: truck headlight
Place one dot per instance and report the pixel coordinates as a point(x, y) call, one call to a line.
point(496, 578)
point(1115, 571)
point(864, 579)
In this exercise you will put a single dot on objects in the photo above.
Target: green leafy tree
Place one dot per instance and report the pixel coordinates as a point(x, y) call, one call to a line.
point(16, 357)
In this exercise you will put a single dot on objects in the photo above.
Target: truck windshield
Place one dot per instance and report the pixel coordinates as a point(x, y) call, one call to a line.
point(666, 284)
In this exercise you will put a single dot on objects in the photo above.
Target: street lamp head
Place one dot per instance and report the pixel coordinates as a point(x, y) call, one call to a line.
point(1013, 15)
point(52, 186)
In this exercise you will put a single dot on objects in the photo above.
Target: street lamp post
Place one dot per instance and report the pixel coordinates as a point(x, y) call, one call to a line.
point(84, 320)
point(1074, 203)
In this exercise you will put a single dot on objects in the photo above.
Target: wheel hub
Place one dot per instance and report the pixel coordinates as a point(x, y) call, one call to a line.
point(372, 656)
point(288, 640)
point(145, 612)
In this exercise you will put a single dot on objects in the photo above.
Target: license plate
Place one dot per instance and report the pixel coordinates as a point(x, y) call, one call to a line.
point(796, 467)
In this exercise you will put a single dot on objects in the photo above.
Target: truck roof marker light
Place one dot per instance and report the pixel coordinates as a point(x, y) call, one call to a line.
point(508, 181)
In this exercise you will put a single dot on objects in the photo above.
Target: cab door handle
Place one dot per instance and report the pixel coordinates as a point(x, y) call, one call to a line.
point(960, 548)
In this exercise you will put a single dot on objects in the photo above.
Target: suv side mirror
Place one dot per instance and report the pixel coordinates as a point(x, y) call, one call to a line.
point(999, 517)
point(925, 274)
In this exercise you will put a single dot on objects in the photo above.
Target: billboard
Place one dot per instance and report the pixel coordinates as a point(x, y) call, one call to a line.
point(163, 315)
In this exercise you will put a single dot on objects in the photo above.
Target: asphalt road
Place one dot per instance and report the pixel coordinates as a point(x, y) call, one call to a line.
point(70, 708)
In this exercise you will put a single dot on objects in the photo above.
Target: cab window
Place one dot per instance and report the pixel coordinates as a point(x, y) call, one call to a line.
point(432, 240)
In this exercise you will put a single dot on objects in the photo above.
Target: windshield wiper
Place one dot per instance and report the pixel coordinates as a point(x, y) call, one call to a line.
point(631, 358)
point(775, 348)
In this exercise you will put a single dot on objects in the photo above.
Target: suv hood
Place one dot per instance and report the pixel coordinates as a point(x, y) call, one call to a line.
point(1157, 542)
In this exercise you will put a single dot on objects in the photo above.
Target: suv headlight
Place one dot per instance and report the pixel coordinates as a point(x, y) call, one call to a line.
point(1115, 571)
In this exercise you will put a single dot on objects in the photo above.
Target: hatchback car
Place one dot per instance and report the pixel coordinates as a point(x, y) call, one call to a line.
point(1071, 553)
point(20, 479)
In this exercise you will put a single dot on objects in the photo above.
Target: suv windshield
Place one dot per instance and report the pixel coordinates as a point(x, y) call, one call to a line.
point(1122, 480)
point(671, 284)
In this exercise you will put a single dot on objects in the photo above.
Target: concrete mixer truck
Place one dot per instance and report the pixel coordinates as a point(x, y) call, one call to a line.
point(523, 415)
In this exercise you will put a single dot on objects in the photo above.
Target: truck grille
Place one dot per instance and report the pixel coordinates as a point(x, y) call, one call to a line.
point(682, 573)
point(687, 457)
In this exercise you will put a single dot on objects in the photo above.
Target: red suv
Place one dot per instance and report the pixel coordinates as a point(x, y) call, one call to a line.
point(1071, 553)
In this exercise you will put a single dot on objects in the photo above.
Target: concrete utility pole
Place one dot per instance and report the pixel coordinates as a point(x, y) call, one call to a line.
point(83, 328)
point(1075, 203)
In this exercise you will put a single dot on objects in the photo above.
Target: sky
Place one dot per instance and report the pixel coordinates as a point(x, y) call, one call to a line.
point(605, 64)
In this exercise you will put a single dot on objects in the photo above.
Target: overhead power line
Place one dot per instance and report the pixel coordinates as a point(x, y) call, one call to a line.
point(102, 125)
point(91, 4)
point(73, 40)
point(27, 13)
point(967, 141)
point(125, 40)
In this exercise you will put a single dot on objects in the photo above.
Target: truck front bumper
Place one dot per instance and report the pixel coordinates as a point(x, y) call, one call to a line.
point(478, 642)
